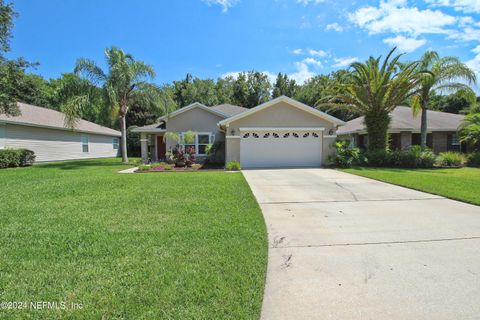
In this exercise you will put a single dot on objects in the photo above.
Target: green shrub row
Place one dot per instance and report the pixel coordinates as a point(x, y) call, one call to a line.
point(413, 157)
point(10, 158)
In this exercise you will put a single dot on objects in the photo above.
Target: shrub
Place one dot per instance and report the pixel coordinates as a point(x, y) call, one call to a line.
point(144, 167)
point(168, 167)
point(196, 166)
point(27, 157)
point(450, 159)
point(216, 152)
point(232, 166)
point(473, 159)
point(413, 157)
point(344, 156)
point(10, 158)
point(378, 158)
point(156, 165)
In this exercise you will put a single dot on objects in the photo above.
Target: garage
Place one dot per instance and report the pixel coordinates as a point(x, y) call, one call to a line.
point(281, 147)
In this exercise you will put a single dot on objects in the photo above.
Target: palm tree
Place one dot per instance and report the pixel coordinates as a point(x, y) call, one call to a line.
point(470, 129)
point(438, 75)
point(375, 90)
point(125, 83)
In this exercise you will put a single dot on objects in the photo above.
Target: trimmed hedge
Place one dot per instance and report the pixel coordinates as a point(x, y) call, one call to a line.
point(10, 158)
point(413, 157)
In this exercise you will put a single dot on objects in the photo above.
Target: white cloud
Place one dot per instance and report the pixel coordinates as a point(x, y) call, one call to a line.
point(312, 61)
point(297, 51)
point(344, 62)
point(334, 26)
point(317, 53)
point(225, 4)
point(302, 74)
point(468, 6)
point(307, 2)
point(474, 63)
point(395, 16)
point(405, 44)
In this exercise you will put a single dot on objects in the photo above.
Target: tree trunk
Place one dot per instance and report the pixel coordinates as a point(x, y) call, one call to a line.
point(123, 129)
point(423, 127)
point(377, 128)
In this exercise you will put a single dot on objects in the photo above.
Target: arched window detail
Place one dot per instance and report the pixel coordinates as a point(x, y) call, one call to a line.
point(315, 134)
point(255, 135)
point(275, 135)
point(246, 135)
point(295, 135)
point(266, 135)
point(286, 135)
point(306, 134)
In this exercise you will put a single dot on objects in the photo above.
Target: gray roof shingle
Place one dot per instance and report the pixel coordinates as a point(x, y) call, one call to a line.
point(43, 117)
point(229, 109)
point(403, 120)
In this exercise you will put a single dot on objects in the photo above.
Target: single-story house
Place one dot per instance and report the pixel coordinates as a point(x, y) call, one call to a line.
point(279, 133)
point(404, 130)
point(44, 132)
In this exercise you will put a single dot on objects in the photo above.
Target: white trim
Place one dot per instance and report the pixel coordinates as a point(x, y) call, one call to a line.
point(211, 139)
point(232, 137)
point(20, 123)
point(281, 129)
point(330, 137)
point(190, 107)
point(397, 130)
point(289, 101)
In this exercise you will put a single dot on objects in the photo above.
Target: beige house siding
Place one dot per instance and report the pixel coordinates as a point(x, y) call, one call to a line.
point(54, 145)
point(197, 120)
point(278, 116)
point(2, 136)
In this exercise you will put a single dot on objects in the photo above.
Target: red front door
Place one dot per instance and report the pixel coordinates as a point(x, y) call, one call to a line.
point(161, 148)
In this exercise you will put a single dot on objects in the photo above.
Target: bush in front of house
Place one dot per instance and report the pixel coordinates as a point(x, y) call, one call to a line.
point(345, 156)
point(216, 152)
point(10, 158)
point(413, 157)
point(232, 166)
point(144, 168)
point(450, 159)
point(473, 159)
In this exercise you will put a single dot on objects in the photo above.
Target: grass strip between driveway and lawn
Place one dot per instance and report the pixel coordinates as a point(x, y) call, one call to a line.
point(457, 183)
point(130, 246)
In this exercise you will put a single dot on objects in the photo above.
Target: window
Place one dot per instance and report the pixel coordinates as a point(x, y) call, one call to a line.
point(454, 140)
point(202, 140)
point(116, 143)
point(84, 143)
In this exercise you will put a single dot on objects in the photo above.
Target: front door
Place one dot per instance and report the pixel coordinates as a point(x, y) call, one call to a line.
point(161, 148)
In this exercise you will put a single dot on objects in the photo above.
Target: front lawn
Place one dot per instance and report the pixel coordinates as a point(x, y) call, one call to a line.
point(130, 246)
point(460, 184)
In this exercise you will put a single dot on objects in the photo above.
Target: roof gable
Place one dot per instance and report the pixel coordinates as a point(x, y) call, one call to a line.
point(193, 106)
point(288, 101)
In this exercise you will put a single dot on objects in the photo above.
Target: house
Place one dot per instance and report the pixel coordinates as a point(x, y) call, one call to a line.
point(44, 132)
point(404, 130)
point(280, 133)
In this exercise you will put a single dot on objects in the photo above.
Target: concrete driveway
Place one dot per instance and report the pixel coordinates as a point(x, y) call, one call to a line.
point(347, 247)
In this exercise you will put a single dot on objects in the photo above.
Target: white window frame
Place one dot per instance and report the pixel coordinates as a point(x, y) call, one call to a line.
point(85, 144)
point(211, 140)
point(116, 143)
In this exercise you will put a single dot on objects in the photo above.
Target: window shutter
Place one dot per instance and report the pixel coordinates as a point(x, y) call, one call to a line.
point(212, 138)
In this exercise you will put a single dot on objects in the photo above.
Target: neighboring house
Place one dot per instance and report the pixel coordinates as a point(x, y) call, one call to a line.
point(404, 130)
point(44, 132)
point(280, 133)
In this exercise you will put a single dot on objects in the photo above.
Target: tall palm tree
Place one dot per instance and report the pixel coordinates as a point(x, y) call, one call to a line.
point(125, 83)
point(438, 75)
point(375, 90)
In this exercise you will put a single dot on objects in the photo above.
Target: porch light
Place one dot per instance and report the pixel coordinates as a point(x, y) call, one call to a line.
point(232, 132)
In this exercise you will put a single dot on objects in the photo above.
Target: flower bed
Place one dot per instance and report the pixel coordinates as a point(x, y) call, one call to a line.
point(165, 167)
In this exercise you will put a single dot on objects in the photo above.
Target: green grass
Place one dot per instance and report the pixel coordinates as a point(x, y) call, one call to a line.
point(460, 184)
point(130, 246)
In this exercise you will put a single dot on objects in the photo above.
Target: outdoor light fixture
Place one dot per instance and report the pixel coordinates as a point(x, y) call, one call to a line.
point(232, 132)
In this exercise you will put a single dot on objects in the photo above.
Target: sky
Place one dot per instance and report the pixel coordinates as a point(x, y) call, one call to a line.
point(215, 38)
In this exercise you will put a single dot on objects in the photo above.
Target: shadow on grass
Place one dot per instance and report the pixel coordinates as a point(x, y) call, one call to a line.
point(436, 170)
point(81, 164)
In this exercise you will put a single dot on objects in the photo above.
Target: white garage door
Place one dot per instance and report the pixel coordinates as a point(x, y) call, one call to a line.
point(281, 148)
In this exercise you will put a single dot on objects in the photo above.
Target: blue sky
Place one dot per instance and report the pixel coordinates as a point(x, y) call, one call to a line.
point(213, 38)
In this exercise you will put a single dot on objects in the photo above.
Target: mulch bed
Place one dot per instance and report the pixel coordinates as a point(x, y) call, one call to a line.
point(203, 167)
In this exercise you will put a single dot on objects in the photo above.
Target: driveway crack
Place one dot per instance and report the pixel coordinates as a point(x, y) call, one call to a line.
point(345, 188)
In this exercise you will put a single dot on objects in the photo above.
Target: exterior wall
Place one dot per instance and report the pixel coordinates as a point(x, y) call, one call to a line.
point(232, 149)
point(277, 116)
point(440, 142)
point(327, 149)
point(2, 136)
point(197, 120)
point(54, 145)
